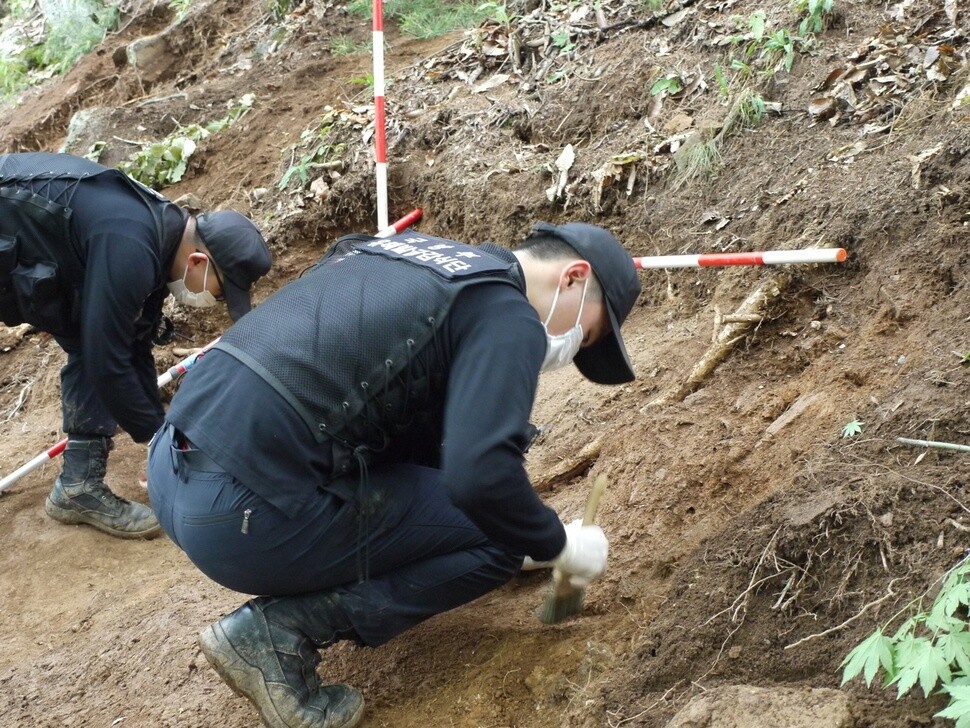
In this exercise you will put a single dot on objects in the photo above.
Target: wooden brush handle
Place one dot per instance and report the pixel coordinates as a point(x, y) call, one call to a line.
point(599, 485)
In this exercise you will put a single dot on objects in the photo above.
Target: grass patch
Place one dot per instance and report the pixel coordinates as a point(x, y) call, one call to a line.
point(700, 156)
point(428, 18)
point(71, 30)
point(344, 45)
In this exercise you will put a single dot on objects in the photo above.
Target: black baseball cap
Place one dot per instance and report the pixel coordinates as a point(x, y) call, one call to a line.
point(606, 361)
point(239, 251)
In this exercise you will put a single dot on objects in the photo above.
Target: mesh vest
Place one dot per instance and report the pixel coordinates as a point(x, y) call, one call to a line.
point(41, 265)
point(338, 343)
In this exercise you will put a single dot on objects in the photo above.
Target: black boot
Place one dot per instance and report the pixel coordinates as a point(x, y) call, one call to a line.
point(266, 651)
point(80, 495)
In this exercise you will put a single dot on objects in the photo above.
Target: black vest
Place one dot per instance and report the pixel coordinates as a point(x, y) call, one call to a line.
point(41, 264)
point(338, 343)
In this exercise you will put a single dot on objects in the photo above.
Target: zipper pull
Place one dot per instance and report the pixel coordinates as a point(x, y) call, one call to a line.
point(245, 524)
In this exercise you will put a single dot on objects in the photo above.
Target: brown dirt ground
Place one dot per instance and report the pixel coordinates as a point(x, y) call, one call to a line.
point(736, 541)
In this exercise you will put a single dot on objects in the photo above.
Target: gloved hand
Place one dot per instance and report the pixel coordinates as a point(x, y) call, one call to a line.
point(584, 556)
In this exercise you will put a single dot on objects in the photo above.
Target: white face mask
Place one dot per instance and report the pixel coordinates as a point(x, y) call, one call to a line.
point(561, 349)
point(202, 299)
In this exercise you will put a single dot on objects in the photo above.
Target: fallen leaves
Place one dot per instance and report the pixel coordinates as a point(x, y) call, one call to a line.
point(888, 70)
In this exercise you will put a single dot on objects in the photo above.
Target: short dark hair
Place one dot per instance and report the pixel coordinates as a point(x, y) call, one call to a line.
point(547, 247)
point(551, 247)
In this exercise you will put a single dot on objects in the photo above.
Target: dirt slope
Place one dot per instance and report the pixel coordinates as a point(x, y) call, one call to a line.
point(747, 534)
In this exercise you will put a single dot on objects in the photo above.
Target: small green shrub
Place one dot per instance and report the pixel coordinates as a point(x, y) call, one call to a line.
point(316, 148)
point(931, 648)
point(162, 163)
point(818, 14)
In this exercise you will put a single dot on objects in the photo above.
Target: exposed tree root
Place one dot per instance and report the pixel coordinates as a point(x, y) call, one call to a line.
point(569, 468)
point(734, 328)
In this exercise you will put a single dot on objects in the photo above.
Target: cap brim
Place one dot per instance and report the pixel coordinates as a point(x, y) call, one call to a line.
point(606, 361)
point(237, 300)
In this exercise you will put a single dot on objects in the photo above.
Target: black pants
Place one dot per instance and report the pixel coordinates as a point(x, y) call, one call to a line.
point(82, 411)
point(423, 555)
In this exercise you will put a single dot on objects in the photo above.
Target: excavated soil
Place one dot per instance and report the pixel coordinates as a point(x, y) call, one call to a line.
point(752, 545)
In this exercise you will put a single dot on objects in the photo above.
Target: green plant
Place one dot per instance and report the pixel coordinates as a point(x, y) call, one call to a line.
point(164, 162)
point(344, 45)
point(700, 156)
point(181, 7)
point(279, 8)
point(817, 15)
point(71, 30)
point(320, 150)
point(780, 45)
point(95, 150)
point(667, 85)
point(13, 76)
point(498, 11)
point(851, 429)
point(429, 18)
point(931, 648)
point(74, 30)
point(651, 5)
point(723, 87)
point(562, 39)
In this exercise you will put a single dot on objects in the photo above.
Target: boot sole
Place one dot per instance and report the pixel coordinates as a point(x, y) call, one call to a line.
point(72, 517)
point(245, 680)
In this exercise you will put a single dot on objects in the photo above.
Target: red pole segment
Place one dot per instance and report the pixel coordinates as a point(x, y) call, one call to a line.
point(403, 224)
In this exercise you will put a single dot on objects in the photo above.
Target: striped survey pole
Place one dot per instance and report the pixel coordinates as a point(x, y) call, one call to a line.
point(767, 257)
point(401, 225)
point(45, 457)
point(380, 140)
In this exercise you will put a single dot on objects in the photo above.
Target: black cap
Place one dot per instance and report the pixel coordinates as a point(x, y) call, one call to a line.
point(239, 251)
point(606, 361)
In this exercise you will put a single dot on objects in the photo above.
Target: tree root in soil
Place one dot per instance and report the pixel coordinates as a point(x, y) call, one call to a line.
point(730, 330)
point(569, 468)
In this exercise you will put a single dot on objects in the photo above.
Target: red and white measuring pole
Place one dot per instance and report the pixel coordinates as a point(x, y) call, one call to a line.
point(169, 375)
point(380, 140)
point(401, 225)
point(767, 257)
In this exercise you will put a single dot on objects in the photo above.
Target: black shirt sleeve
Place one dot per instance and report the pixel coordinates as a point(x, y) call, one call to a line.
point(498, 345)
point(122, 273)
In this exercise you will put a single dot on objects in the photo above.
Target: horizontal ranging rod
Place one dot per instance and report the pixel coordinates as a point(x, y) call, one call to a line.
point(767, 257)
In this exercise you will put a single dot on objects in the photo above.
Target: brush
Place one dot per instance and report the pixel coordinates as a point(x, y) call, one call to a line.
point(564, 599)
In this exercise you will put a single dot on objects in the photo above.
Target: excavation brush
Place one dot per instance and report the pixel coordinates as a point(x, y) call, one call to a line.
point(766, 257)
point(564, 599)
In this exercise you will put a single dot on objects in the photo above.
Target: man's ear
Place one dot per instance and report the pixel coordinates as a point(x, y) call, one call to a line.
point(196, 259)
point(577, 272)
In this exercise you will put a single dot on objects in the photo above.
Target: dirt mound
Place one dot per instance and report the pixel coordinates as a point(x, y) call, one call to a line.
point(752, 544)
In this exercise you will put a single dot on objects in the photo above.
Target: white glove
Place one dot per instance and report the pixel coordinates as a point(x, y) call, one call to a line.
point(584, 556)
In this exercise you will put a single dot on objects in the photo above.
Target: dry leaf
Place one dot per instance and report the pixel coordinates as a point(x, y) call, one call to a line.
point(846, 153)
point(822, 107)
point(497, 80)
point(671, 20)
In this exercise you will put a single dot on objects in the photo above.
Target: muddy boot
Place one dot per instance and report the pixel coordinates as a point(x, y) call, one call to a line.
point(266, 651)
point(80, 495)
